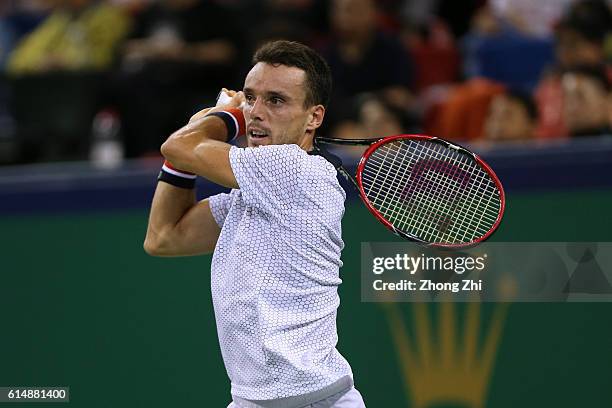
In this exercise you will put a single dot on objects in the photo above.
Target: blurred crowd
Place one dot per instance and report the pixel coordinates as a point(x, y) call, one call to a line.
point(109, 79)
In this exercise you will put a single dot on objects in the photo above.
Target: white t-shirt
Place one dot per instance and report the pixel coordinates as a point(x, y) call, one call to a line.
point(275, 273)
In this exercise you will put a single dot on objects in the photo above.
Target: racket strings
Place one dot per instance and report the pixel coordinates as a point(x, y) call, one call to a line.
point(428, 190)
point(425, 216)
point(463, 219)
point(441, 220)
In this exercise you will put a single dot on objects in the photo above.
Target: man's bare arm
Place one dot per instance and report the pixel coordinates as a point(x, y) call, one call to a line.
point(200, 148)
point(179, 226)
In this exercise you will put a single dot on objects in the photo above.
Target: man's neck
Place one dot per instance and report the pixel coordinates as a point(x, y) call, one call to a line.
point(306, 142)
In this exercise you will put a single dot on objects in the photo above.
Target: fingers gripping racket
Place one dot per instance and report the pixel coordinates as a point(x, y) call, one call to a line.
point(426, 189)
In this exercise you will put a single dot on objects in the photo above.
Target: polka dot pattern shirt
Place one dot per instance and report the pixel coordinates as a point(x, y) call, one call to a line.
point(275, 273)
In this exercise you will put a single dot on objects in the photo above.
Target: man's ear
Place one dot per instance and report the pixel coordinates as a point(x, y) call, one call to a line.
point(315, 118)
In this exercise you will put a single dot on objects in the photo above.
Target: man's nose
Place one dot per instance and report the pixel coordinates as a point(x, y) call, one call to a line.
point(256, 109)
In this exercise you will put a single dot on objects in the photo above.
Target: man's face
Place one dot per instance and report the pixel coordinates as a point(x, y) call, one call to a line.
point(274, 106)
point(587, 104)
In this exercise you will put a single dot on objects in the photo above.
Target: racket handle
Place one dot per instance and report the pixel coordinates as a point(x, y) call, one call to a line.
point(348, 177)
point(223, 99)
point(347, 142)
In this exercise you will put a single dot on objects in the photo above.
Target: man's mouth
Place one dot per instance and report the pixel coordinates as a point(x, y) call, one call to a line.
point(257, 134)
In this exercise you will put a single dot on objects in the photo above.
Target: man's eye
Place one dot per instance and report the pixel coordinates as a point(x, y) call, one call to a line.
point(249, 98)
point(276, 101)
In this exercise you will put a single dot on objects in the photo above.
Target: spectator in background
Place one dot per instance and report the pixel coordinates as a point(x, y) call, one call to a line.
point(456, 14)
point(499, 48)
point(534, 18)
point(582, 33)
point(55, 74)
point(580, 41)
point(363, 59)
point(372, 118)
point(296, 20)
point(512, 117)
point(177, 54)
point(77, 36)
point(6, 132)
point(6, 34)
point(462, 115)
point(378, 118)
point(18, 18)
point(588, 101)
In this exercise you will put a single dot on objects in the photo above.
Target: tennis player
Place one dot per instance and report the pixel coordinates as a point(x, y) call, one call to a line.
point(276, 236)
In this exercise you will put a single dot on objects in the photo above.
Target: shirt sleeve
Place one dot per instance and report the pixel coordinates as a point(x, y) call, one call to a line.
point(219, 206)
point(268, 176)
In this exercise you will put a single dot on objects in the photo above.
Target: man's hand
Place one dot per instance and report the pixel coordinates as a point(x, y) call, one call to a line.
point(200, 147)
point(177, 224)
point(227, 99)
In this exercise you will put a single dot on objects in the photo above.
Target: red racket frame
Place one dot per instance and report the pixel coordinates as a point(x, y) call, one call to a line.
point(390, 226)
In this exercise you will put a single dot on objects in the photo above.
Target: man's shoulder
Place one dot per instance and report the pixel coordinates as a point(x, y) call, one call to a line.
point(288, 160)
point(287, 154)
point(320, 164)
point(320, 174)
point(288, 149)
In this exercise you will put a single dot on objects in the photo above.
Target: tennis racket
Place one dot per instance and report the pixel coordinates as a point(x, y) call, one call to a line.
point(427, 189)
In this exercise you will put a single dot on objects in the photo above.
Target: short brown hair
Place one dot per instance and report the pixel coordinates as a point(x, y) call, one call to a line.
point(318, 81)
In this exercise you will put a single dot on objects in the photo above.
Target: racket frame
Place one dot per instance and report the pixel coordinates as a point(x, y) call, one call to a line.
point(374, 144)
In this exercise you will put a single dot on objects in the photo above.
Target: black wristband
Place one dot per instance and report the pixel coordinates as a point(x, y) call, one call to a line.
point(233, 119)
point(176, 178)
point(230, 125)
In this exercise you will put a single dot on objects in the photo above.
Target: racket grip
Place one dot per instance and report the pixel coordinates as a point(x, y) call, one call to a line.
point(233, 117)
point(223, 99)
